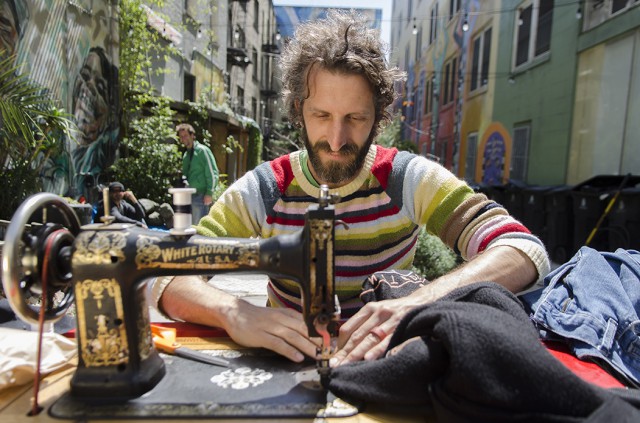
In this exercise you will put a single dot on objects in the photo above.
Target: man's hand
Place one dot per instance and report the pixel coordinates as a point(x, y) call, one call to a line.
point(366, 335)
point(207, 200)
point(281, 330)
point(128, 195)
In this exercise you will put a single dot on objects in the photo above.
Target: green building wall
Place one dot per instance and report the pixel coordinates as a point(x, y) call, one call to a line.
point(541, 94)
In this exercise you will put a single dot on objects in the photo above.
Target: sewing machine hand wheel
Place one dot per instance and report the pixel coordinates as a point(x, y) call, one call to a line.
point(25, 253)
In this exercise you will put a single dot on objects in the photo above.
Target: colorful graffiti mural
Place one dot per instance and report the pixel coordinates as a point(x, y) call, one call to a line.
point(70, 48)
point(494, 155)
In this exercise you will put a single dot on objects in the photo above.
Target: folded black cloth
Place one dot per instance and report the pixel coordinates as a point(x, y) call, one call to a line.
point(474, 356)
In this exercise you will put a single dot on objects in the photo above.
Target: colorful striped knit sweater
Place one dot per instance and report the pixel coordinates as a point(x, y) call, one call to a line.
point(393, 195)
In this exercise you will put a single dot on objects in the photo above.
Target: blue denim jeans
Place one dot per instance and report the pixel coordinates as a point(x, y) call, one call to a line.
point(198, 209)
point(592, 303)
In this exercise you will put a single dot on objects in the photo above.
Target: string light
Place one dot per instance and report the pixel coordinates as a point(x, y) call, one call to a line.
point(579, 13)
point(415, 27)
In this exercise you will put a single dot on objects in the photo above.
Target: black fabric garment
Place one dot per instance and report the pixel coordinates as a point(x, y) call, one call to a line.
point(473, 356)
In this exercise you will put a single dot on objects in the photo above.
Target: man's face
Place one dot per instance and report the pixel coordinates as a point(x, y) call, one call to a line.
point(338, 121)
point(91, 109)
point(116, 195)
point(8, 31)
point(186, 138)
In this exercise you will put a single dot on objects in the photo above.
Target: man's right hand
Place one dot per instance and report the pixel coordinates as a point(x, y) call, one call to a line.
point(281, 330)
point(277, 329)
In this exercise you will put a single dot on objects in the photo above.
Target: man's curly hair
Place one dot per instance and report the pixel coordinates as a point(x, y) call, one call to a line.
point(343, 42)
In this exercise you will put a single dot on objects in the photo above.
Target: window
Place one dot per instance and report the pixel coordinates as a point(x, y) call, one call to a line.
point(618, 5)
point(445, 91)
point(472, 155)
point(533, 31)
point(452, 81)
point(454, 7)
point(520, 152)
point(600, 11)
point(254, 58)
point(434, 24)
point(256, 15)
point(480, 60)
point(428, 95)
point(418, 44)
point(189, 87)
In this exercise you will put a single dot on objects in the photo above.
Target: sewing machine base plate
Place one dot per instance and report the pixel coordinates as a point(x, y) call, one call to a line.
point(258, 384)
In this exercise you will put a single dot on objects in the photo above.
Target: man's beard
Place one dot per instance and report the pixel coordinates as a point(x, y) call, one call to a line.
point(335, 172)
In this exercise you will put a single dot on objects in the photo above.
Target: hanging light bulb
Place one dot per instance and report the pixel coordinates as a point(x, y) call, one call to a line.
point(199, 33)
point(236, 34)
point(465, 25)
point(415, 30)
point(278, 35)
point(579, 13)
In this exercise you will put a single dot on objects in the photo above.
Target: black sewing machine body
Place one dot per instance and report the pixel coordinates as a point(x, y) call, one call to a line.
point(109, 265)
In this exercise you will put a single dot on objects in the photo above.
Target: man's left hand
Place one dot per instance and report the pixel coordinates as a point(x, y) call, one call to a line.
point(366, 335)
point(207, 200)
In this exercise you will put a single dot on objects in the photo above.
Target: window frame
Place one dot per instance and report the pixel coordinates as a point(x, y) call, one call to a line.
point(483, 55)
point(534, 33)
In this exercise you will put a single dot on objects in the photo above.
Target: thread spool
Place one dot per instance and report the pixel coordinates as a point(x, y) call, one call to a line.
point(182, 217)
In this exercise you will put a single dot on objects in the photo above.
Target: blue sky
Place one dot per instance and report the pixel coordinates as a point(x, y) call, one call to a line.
point(385, 5)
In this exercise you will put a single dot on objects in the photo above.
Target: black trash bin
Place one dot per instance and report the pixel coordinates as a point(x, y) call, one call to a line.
point(533, 208)
point(590, 199)
point(513, 198)
point(558, 225)
point(624, 221)
point(496, 193)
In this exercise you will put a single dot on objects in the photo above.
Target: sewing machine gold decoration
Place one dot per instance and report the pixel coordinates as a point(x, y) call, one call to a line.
point(104, 268)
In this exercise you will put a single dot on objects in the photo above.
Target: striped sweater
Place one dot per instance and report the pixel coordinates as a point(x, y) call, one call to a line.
point(384, 206)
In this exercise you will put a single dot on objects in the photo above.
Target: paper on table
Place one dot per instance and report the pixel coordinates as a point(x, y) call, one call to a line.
point(19, 351)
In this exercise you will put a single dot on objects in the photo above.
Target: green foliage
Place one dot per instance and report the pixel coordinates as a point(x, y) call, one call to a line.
point(254, 153)
point(391, 135)
point(32, 129)
point(285, 138)
point(220, 188)
point(150, 163)
point(433, 258)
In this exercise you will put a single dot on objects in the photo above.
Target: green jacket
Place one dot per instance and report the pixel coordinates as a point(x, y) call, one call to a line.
point(200, 169)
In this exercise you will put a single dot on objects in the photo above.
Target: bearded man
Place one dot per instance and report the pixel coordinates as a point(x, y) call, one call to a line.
point(337, 86)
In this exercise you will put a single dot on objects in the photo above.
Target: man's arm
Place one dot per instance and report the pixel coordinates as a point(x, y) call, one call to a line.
point(503, 264)
point(190, 299)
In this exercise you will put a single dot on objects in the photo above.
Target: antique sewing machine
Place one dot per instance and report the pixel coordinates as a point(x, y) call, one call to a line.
point(104, 268)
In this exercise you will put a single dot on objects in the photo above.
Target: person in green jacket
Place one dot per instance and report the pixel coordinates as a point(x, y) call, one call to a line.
point(200, 169)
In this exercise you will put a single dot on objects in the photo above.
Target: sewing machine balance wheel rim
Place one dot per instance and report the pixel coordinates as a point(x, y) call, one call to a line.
point(24, 255)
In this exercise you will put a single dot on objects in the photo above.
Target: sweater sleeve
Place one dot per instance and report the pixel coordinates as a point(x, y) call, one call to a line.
point(238, 213)
point(466, 221)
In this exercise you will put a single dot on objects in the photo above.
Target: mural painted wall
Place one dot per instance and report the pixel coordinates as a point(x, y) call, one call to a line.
point(71, 49)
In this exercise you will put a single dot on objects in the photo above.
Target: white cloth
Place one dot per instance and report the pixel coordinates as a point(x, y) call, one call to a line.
point(19, 353)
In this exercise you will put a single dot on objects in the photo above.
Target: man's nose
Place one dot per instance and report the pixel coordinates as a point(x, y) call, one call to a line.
point(337, 136)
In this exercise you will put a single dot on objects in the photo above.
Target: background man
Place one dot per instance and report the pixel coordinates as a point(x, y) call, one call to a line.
point(200, 169)
point(336, 88)
point(129, 211)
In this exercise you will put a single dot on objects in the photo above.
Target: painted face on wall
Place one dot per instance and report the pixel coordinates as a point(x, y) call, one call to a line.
point(91, 100)
point(8, 30)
